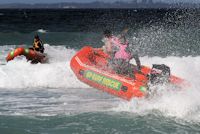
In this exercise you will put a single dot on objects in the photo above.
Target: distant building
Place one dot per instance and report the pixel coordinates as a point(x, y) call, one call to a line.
point(150, 2)
point(134, 2)
point(144, 2)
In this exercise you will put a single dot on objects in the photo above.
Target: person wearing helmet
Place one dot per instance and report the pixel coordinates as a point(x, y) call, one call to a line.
point(37, 44)
point(117, 48)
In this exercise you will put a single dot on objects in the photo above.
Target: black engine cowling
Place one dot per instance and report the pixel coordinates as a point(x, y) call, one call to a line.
point(159, 74)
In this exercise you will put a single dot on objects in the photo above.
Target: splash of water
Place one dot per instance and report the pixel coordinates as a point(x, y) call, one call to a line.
point(41, 31)
point(57, 75)
point(170, 101)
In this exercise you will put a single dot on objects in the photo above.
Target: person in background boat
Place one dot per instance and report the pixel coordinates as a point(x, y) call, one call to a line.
point(117, 48)
point(37, 44)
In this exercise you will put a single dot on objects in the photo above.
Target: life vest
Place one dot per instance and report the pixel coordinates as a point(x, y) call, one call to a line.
point(37, 45)
point(121, 52)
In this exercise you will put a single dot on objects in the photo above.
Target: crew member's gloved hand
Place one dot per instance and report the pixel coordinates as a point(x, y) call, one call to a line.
point(139, 68)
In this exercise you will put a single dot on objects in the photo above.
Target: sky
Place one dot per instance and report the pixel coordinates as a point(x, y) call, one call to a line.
point(82, 1)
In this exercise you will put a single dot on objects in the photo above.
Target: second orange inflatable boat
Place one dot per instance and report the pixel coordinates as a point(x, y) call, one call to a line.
point(30, 55)
point(90, 67)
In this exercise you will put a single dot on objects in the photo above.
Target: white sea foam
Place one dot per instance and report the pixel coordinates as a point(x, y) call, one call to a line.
point(184, 104)
point(57, 75)
point(41, 31)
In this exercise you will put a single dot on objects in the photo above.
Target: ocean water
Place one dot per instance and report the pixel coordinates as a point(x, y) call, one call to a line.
point(49, 99)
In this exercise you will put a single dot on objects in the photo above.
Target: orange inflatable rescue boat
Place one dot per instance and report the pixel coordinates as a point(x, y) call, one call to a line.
point(30, 55)
point(90, 67)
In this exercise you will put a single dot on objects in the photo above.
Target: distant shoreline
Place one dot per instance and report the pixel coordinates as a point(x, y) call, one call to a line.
point(102, 5)
point(99, 8)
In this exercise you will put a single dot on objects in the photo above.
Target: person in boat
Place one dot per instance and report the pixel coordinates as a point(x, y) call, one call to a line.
point(117, 48)
point(37, 44)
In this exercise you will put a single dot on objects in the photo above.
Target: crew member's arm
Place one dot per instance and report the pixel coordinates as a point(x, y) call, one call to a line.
point(123, 33)
point(107, 48)
point(137, 60)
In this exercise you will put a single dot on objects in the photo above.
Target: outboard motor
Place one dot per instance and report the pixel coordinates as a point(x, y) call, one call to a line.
point(159, 74)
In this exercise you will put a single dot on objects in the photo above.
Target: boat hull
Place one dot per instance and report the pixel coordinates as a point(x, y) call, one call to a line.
point(90, 67)
point(30, 55)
